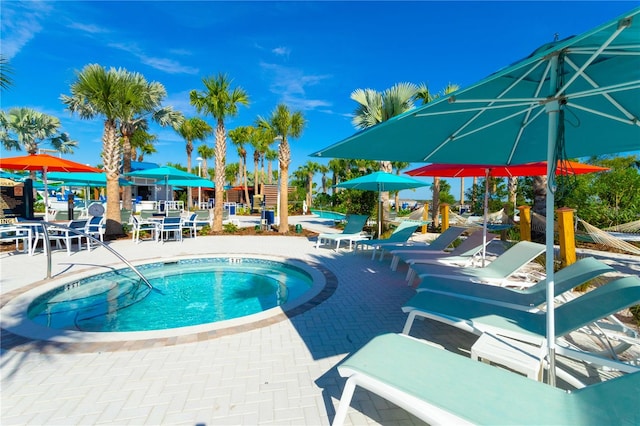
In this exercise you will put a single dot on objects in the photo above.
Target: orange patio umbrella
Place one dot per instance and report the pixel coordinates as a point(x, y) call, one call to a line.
point(44, 163)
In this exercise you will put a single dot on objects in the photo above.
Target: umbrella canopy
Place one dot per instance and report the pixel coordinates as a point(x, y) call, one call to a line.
point(44, 163)
point(529, 169)
point(538, 168)
point(189, 183)
point(581, 95)
point(84, 179)
point(381, 181)
point(164, 172)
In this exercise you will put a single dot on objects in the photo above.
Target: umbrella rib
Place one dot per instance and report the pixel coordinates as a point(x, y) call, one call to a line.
point(631, 121)
point(482, 110)
point(596, 86)
point(624, 24)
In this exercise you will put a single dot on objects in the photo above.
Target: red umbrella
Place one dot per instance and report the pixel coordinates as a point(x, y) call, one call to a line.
point(44, 163)
point(538, 168)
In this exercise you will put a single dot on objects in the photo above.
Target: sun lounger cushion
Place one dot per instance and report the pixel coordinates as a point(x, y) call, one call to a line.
point(477, 317)
point(442, 387)
point(565, 279)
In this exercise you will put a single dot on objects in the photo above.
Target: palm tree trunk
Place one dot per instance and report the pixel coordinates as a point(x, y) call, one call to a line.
point(246, 182)
point(126, 168)
point(220, 156)
point(111, 161)
point(284, 156)
point(436, 202)
point(189, 194)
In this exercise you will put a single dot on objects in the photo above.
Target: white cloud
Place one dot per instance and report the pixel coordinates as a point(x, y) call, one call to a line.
point(281, 51)
point(21, 22)
point(87, 28)
point(167, 65)
point(291, 84)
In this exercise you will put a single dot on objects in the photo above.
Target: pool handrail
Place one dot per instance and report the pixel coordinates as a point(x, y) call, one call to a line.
point(46, 225)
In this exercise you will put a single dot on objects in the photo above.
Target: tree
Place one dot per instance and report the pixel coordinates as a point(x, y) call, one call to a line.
point(271, 155)
point(205, 153)
point(140, 102)
point(193, 129)
point(26, 128)
point(5, 72)
point(284, 125)
point(239, 137)
point(323, 169)
point(374, 108)
point(398, 165)
point(310, 168)
point(142, 144)
point(220, 101)
point(98, 92)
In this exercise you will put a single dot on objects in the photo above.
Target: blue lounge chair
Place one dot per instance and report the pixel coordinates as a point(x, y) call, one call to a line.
point(530, 327)
point(497, 272)
point(398, 238)
point(352, 232)
point(528, 298)
point(463, 255)
point(442, 387)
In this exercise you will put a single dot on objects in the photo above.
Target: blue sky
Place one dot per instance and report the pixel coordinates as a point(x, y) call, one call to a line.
point(308, 55)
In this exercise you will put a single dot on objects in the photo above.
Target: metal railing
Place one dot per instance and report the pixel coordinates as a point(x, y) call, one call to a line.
point(45, 234)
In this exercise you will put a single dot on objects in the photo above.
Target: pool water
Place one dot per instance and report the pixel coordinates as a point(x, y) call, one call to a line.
point(325, 214)
point(185, 293)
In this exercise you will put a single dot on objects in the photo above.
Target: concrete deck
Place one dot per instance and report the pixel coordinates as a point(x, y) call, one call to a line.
point(279, 373)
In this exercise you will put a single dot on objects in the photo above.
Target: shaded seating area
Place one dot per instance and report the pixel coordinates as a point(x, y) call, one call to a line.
point(352, 232)
point(462, 255)
point(498, 271)
point(525, 327)
point(398, 238)
point(442, 387)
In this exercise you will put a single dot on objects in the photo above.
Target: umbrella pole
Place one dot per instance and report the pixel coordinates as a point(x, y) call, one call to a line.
point(46, 194)
point(379, 212)
point(552, 109)
point(486, 216)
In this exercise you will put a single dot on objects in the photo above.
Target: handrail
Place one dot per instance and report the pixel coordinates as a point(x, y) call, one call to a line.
point(45, 235)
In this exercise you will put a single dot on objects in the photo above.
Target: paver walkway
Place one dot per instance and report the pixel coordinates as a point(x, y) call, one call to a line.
point(281, 374)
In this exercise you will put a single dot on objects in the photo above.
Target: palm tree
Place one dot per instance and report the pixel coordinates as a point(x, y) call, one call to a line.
point(284, 124)
point(26, 128)
point(205, 153)
point(220, 101)
point(260, 140)
point(374, 107)
point(231, 173)
point(140, 102)
point(5, 71)
point(336, 166)
point(310, 168)
point(97, 92)
point(193, 129)
point(142, 144)
point(423, 94)
point(239, 137)
point(324, 169)
point(398, 165)
point(271, 155)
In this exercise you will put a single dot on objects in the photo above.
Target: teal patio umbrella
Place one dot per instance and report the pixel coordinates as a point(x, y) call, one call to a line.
point(165, 173)
point(381, 181)
point(571, 98)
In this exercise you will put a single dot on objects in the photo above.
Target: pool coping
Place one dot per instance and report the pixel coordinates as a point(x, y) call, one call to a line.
point(26, 336)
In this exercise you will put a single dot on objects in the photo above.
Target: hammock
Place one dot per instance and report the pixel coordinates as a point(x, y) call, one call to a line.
point(607, 239)
point(632, 227)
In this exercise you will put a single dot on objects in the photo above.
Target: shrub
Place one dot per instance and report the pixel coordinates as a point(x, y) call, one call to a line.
point(229, 228)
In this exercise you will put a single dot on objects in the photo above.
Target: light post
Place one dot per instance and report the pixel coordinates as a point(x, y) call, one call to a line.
point(199, 160)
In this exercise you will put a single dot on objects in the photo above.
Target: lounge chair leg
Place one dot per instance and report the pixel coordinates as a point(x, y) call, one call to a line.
point(345, 401)
point(394, 263)
point(373, 256)
point(407, 325)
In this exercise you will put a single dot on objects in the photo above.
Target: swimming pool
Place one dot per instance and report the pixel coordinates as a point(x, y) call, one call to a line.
point(189, 296)
point(325, 214)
